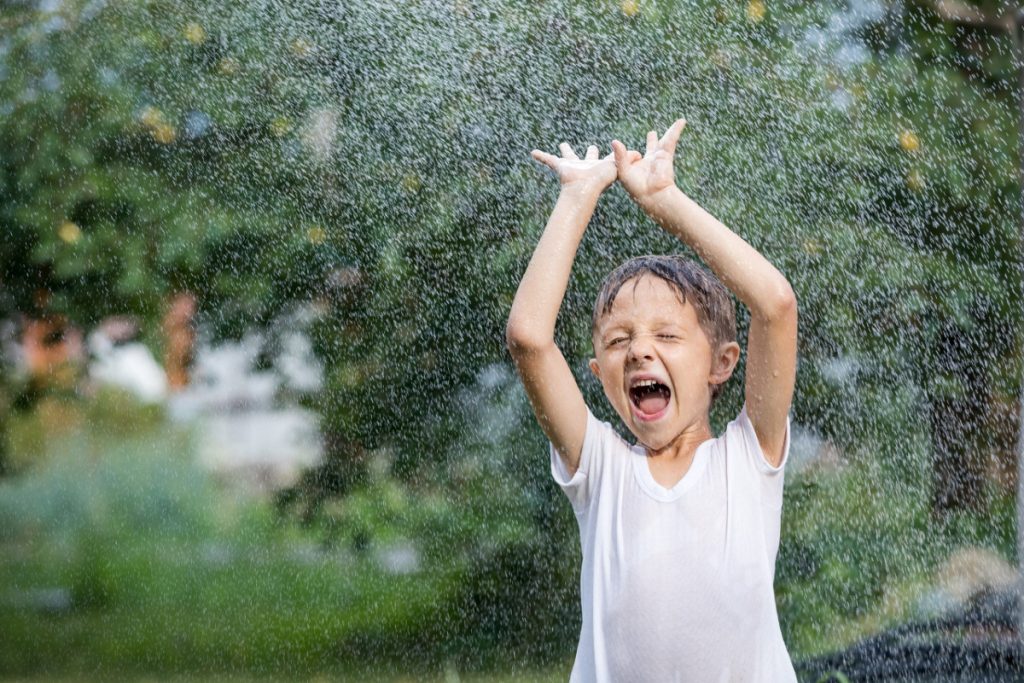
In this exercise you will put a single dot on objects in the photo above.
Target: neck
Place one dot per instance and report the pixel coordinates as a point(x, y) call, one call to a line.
point(685, 443)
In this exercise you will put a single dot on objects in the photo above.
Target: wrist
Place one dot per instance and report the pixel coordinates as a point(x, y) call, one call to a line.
point(581, 193)
point(653, 202)
point(658, 198)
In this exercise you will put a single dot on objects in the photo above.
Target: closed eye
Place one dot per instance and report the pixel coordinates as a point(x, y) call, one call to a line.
point(616, 341)
point(667, 336)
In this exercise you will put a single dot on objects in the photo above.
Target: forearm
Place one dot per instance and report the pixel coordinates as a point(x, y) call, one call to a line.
point(749, 275)
point(535, 308)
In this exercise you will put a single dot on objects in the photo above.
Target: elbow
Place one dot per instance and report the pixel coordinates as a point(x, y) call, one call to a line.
point(780, 304)
point(520, 339)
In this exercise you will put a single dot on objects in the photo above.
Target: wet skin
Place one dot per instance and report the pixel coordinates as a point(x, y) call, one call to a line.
point(650, 334)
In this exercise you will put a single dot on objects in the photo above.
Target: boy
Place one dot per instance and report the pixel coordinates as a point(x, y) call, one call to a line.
point(679, 532)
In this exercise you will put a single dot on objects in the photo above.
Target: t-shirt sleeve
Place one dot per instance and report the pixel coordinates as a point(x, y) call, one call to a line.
point(770, 477)
point(580, 487)
point(765, 480)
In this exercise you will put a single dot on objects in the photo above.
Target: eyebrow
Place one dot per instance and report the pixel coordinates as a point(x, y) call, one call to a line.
point(612, 332)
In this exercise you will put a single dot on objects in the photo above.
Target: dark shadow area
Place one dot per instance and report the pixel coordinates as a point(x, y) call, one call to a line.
point(979, 642)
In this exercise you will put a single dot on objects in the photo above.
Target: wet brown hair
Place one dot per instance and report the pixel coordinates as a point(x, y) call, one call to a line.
point(715, 309)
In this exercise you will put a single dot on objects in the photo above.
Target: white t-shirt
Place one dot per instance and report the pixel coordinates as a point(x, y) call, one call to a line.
point(677, 583)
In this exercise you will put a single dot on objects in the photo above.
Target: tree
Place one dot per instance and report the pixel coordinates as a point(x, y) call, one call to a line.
point(373, 160)
point(963, 55)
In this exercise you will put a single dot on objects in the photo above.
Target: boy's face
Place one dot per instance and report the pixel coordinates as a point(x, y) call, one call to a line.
point(656, 363)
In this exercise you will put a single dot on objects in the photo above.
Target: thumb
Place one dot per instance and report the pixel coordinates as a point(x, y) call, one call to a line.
point(548, 160)
point(619, 150)
point(672, 136)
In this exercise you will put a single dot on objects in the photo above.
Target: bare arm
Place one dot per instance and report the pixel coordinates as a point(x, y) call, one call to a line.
point(550, 385)
point(771, 346)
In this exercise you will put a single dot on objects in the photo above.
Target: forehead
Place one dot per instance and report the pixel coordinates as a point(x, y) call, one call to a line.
point(648, 298)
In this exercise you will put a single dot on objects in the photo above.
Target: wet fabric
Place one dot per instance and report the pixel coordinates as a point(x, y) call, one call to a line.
point(677, 583)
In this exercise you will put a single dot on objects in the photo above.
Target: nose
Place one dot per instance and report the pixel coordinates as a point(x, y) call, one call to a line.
point(640, 349)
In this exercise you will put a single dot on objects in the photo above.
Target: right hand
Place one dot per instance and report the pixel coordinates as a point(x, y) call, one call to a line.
point(644, 176)
point(591, 173)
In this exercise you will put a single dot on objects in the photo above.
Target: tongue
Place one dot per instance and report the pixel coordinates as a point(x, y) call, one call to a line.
point(653, 403)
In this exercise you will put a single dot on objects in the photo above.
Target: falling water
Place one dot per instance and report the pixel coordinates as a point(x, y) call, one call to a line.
point(370, 162)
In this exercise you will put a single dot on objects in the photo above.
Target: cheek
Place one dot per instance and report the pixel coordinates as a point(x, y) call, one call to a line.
point(692, 365)
point(609, 364)
point(612, 382)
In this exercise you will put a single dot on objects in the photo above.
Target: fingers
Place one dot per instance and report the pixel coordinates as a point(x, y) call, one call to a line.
point(567, 152)
point(549, 160)
point(624, 157)
point(668, 142)
point(620, 152)
point(652, 144)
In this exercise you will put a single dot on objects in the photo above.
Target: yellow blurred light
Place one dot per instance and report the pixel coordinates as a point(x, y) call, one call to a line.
point(194, 33)
point(915, 180)
point(151, 117)
point(411, 182)
point(316, 235)
point(301, 47)
point(280, 126)
point(756, 11)
point(630, 7)
point(909, 141)
point(812, 246)
point(228, 66)
point(69, 232)
point(164, 133)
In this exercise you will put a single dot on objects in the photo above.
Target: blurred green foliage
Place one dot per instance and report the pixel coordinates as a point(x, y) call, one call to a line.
point(373, 160)
point(119, 556)
point(861, 549)
point(246, 156)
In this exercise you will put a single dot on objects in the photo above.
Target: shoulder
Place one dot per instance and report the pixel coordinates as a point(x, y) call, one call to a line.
point(740, 439)
point(602, 440)
point(603, 458)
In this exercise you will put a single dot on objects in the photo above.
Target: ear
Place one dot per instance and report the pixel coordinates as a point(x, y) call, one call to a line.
point(595, 368)
point(724, 362)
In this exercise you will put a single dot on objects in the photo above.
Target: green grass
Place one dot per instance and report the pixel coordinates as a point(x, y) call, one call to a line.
point(158, 606)
point(168, 575)
point(449, 676)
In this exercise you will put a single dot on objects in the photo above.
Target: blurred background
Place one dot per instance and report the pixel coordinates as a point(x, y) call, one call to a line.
point(257, 420)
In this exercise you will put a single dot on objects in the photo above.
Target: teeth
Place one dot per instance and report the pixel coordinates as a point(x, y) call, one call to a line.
point(645, 383)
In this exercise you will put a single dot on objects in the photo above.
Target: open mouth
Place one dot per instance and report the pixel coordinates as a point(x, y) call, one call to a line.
point(650, 397)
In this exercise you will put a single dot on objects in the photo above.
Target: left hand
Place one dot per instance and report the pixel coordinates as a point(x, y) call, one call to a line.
point(590, 174)
point(645, 176)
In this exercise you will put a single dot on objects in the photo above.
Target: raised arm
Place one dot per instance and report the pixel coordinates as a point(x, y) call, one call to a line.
point(550, 385)
point(771, 344)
